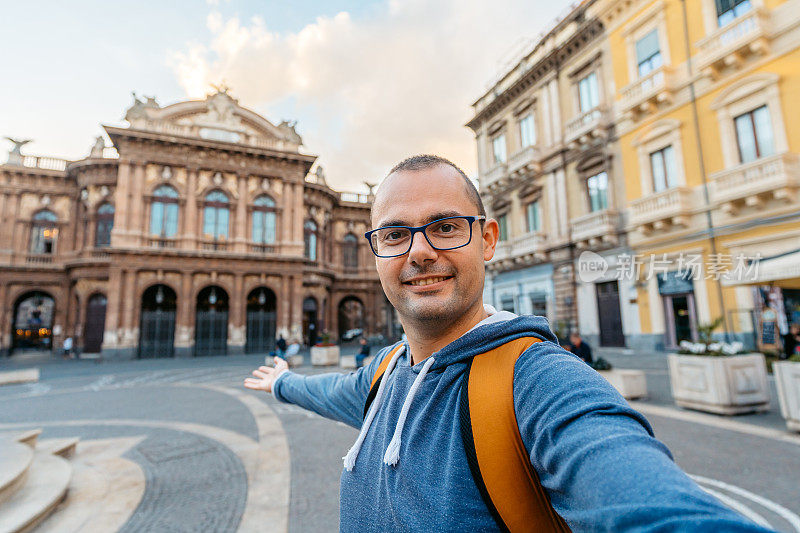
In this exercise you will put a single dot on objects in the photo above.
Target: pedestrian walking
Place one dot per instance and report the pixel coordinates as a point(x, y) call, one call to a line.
point(363, 352)
point(480, 421)
point(67, 348)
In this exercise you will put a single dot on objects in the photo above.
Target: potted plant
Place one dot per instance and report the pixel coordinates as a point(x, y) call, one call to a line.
point(325, 353)
point(787, 379)
point(718, 377)
point(631, 384)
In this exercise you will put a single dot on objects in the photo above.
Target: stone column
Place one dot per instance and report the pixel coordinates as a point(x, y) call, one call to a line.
point(113, 328)
point(129, 327)
point(6, 317)
point(135, 210)
point(121, 204)
point(299, 216)
point(240, 226)
point(296, 298)
point(189, 215)
point(184, 323)
point(236, 325)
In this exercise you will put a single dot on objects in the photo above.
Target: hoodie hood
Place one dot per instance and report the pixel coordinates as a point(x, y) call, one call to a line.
point(485, 337)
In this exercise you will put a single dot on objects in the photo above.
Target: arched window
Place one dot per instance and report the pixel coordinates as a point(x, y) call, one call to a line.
point(264, 220)
point(350, 251)
point(164, 212)
point(44, 232)
point(310, 240)
point(105, 223)
point(216, 215)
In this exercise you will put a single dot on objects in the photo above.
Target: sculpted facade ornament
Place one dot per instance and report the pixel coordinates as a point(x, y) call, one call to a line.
point(98, 147)
point(166, 173)
point(265, 184)
point(15, 154)
point(217, 178)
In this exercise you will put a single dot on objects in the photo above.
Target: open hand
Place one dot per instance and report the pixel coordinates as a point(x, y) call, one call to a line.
point(266, 376)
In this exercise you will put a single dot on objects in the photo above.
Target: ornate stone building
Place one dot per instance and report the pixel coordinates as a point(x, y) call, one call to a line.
point(202, 231)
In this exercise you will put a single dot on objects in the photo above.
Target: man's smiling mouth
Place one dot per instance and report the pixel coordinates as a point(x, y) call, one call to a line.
point(421, 282)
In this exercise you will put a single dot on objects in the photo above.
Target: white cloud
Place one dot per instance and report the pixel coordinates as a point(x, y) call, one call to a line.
point(381, 88)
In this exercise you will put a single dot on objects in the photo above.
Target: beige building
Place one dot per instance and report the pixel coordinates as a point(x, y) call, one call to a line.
point(549, 172)
point(202, 231)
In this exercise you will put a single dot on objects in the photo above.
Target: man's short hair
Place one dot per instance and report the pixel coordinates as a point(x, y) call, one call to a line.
point(426, 161)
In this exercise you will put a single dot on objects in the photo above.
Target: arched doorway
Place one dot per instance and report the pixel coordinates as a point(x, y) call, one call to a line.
point(351, 318)
point(260, 321)
point(95, 324)
point(310, 321)
point(33, 322)
point(157, 331)
point(211, 322)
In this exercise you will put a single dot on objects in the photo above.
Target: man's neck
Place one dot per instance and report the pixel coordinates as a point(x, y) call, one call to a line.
point(423, 342)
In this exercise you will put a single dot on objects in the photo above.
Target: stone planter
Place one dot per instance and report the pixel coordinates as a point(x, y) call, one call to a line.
point(725, 385)
point(787, 378)
point(296, 360)
point(325, 355)
point(631, 384)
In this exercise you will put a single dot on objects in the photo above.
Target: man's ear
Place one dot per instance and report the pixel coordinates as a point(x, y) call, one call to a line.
point(491, 234)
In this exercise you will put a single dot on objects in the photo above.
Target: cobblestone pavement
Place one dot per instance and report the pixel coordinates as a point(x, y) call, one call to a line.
point(749, 462)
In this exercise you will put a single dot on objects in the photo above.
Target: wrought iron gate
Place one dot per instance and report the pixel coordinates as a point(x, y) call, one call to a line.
point(157, 334)
point(260, 331)
point(211, 332)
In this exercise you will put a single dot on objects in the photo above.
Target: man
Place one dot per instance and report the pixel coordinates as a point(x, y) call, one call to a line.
point(596, 457)
point(580, 348)
point(363, 352)
point(281, 346)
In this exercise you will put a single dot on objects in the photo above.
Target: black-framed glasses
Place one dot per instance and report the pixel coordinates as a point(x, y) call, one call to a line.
point(442, 234)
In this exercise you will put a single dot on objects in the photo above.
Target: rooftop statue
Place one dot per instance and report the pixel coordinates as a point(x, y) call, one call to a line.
point(15, 154)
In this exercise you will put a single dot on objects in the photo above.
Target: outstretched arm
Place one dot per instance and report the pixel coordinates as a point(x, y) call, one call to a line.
point(597, 457)
point(334, 395)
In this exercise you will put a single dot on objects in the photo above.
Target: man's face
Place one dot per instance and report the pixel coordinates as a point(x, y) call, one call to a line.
point(414, 198)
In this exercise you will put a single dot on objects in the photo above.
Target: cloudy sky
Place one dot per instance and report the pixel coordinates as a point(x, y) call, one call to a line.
point(369, 82)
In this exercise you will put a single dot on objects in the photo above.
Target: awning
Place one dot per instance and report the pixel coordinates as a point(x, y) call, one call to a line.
point(780, 270)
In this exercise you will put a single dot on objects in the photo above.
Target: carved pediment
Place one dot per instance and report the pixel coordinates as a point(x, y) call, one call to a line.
point(218, 117)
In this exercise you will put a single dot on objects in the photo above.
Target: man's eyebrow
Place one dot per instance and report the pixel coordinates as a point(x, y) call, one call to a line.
point(431, 218)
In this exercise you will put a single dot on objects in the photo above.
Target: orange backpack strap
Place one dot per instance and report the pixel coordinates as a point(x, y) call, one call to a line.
point(376, 379)
point(495, 452)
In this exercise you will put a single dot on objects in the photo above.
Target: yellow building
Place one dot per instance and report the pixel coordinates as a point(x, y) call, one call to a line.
point(707, 109)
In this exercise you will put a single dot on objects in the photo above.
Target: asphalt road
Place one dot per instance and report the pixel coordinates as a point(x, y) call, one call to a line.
point(195, 482)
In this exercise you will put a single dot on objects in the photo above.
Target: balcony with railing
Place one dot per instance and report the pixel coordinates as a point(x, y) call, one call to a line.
point(587, 126)
point(775, 177)
point(161, 242)
point(596, 229)
point(214, 246)
point(663, 210)
point(648, 92)
point(729, 46)
point(36, 161)
point(39, 259)
point(525, 161)
point(263, 248)
point(526, 249)
point(494, 176)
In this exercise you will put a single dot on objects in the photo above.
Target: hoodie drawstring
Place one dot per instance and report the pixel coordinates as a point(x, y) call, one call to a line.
point(350, 458)
point(393, 450)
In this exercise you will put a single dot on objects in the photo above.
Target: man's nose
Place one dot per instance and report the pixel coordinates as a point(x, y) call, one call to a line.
point(421, 251)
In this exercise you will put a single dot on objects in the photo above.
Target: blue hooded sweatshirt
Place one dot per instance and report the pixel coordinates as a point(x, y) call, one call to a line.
point(595, 456)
